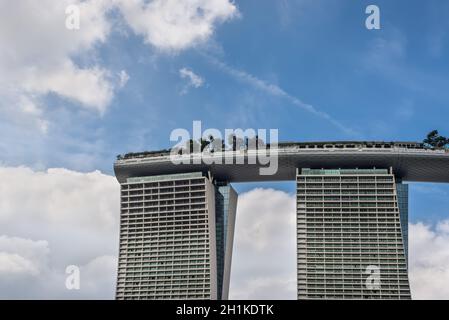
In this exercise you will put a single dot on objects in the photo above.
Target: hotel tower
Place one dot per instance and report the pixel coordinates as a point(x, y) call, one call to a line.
point(176, 234)
point(177, 221)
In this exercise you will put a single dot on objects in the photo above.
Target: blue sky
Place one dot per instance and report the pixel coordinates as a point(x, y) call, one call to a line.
point(387, 84)
point(259, 65)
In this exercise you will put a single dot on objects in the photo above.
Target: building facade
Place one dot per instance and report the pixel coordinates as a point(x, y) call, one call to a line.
point(177, 220)
point(176, 236)
point(350, 235)
point(225, 212)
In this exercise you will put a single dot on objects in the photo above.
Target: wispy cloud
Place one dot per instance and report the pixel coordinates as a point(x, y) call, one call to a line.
point(277, 91)
point(123, 78)
point(193, 79)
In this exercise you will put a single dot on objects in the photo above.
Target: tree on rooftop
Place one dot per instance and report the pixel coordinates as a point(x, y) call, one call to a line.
point(435, 140)
point(193, 146)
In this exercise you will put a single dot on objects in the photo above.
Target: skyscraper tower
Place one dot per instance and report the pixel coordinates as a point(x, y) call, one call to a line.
point(177, 220)
point(350, 235)
point(176, 234)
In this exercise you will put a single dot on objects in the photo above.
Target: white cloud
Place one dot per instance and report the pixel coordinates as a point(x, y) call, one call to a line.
point(90, 87)
point(98, 278)
point(36, 56)
point(12, 263)
point(55, 218)
point(175, 25)
point(39, 55)
point(193, 79)
point(264, 264)
point(22, 256)
point(29, 195)
point(72, 218)
point(264, 259)
point(429, 260)
point(124, 78)
point(29, 108)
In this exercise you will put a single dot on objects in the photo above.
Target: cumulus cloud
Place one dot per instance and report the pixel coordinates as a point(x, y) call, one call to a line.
point(55, 218)
point(264, 265)
point(40, 56)
point(429, 260)
point(264, 259)
point(172, 25)
point(22, 256)
point(72, 218)
point(52, 219)
point(36, 57)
